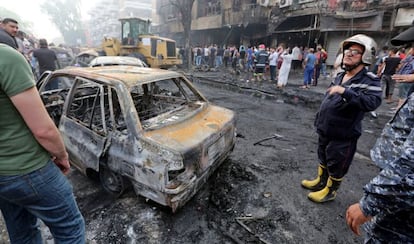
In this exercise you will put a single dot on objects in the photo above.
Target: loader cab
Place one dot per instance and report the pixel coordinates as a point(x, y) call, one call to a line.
point(137, 41)
point(132, 28)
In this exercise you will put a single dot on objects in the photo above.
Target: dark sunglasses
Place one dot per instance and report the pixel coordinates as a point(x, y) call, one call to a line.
point(352, 52)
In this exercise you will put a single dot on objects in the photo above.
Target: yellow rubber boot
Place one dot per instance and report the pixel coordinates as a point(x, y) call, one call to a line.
point(319, 182)
point(328, 193)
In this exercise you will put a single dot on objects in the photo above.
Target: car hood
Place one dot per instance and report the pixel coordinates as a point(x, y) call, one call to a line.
point(200, 130)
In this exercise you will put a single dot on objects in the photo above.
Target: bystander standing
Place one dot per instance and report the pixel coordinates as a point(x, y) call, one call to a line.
point(33, 161)
point(45, 57)
point(309, 66)
point(8, 31)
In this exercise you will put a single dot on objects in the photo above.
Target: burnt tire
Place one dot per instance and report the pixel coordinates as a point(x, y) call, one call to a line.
point(112, 182)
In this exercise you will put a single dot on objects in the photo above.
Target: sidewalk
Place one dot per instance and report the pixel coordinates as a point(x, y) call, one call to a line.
point(292, 93)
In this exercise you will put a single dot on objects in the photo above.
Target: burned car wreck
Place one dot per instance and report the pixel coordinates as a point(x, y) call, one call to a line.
point(143, 127)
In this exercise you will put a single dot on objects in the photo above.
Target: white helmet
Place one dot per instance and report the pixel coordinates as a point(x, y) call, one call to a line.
point(367, 42)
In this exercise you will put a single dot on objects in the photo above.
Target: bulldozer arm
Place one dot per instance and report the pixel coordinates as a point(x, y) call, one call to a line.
point(111, 46)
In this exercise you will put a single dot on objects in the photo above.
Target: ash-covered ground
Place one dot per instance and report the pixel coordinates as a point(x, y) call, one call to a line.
point(255, 196)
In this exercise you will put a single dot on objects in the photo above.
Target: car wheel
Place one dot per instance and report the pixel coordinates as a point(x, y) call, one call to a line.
point(112, 182)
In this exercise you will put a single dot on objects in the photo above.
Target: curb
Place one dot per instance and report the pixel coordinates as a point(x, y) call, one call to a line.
point(264, 90)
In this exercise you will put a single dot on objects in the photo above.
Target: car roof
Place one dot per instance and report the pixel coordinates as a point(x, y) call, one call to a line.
point(128, 75)
point(90, 52)
point(116, 60)
point(60, 50)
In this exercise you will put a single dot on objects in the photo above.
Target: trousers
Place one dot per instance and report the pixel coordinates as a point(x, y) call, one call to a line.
point(336, 155)
point(44, 194)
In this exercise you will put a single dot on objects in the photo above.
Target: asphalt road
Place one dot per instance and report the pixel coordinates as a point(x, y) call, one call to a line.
point(254, 197)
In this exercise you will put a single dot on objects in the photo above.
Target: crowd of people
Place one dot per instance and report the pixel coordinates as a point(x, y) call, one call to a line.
point(265, 63)
point(281, 60)
point(40, 55)
point(32, 150)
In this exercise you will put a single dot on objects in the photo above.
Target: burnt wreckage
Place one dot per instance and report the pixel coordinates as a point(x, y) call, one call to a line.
point(146, 127)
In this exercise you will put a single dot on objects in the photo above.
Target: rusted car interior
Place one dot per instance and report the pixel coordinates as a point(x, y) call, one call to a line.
point(135, 126)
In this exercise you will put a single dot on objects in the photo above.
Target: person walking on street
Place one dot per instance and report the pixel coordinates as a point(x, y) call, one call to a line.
point(226, 56)
point(381, 54)
point(8, 31)
point(261, 60)
point(212, 58)
point(285, 68)
point(250, 61)
point(387, 207)
point(387, 67)
point(309, 66)
point(219, 57)
point(338, 120)
point(324, 57)
point(317, 66)
point(272, 63)
point(199, 56)
point(242, 58)
point(33, 161)
point(45, 57)
point(296, 61)
point(206, 53)
point(235, 60)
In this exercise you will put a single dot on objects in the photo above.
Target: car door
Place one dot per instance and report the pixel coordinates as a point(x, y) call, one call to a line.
point(53, 90)
point(83, 124)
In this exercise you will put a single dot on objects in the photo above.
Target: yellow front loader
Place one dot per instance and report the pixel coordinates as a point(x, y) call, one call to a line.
point(136, 40)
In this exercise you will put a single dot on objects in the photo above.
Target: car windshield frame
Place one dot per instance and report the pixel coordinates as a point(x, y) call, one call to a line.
point(182, 103)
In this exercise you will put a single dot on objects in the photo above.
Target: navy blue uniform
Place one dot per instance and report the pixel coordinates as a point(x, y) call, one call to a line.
point(338, 121)
point(262, 58)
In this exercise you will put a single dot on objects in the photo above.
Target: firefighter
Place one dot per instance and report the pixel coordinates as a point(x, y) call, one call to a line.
point(338, 121)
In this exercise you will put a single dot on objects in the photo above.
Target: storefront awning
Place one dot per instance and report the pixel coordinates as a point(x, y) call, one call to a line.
point(296, 24)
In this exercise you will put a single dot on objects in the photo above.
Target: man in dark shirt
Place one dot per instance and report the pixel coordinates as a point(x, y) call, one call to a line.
point(242, 57)
point(388, 67)
point(261, 59)
point(45, 57)
point(213, 51)
point(8, 31)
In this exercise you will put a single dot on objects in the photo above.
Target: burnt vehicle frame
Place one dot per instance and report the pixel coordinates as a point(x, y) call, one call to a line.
point(148, 127)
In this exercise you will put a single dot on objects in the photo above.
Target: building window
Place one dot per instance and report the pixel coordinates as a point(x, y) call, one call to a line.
point(236, 5)
point(209, 8)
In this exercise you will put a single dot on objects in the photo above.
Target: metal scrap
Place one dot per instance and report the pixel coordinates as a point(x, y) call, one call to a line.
point(274, 136)
point(240, 220)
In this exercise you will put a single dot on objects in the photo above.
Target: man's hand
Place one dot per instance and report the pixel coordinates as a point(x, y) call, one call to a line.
point(403, 78)
point(62, 163)
point(336, 89)
point(355, 218)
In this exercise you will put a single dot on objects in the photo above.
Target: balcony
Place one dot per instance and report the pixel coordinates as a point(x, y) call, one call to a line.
point(253, 13)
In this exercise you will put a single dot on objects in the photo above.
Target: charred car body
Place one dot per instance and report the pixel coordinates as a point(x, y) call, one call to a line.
point(143, 126)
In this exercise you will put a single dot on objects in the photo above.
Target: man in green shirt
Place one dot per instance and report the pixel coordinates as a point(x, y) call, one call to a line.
point(33, 161)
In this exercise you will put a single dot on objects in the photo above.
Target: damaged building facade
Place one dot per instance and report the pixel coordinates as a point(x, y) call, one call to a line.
point(293, 22)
